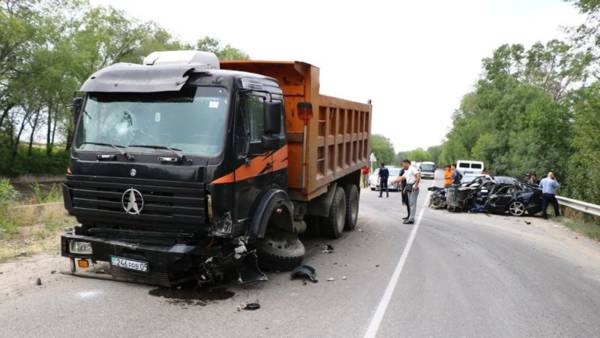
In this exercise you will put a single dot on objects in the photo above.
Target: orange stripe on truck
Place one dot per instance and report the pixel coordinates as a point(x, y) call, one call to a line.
point(256, 166)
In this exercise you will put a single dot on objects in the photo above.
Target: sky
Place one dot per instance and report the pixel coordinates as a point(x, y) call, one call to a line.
point(414, 59)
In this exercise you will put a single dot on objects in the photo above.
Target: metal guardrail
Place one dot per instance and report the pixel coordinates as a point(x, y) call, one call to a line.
point(585, 207)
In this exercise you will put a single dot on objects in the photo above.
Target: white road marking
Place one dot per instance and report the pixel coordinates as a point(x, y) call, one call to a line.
point(389, 290)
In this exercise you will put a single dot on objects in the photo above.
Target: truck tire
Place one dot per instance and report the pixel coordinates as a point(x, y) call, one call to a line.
point(352, 199)
point(333, 226)
point(280, 251)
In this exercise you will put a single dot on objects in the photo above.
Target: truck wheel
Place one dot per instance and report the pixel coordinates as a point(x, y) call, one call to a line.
point(352, 198)
point(280, 251)
point(333, 226)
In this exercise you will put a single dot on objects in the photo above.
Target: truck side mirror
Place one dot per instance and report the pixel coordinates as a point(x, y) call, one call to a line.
point(76, 109)
point(273, 117)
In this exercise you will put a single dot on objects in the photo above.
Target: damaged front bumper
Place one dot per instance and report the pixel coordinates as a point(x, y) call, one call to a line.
point(164, 265)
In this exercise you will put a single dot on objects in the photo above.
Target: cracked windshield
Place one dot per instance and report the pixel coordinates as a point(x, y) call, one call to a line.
point(192, 121)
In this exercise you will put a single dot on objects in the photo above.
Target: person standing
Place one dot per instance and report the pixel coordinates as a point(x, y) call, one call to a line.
point(447, 176)
point(384, 174)
point(365, 176)
point(412, 177)
point(404, 195)
point(456, 176)
point(549, 185)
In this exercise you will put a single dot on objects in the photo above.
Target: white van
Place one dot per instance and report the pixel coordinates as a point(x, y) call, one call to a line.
point(469, 167)
point(427, 169)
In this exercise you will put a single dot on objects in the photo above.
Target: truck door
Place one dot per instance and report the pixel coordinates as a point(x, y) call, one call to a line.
point(254, 165)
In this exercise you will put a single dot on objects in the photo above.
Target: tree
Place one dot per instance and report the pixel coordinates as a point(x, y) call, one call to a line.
point(226, 52)
point(419, 155)
point(382, 147)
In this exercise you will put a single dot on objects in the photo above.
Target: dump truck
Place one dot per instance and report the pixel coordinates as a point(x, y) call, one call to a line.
point(184, 167)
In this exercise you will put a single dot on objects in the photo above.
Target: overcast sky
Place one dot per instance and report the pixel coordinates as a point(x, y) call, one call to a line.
point(415, 59)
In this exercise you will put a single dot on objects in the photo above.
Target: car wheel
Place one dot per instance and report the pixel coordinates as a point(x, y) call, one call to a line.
point(516, 208)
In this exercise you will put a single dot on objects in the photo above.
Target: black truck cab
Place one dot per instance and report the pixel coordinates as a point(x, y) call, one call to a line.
point(172, 169)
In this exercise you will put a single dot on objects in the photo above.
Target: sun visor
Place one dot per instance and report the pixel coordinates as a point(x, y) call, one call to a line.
point(134, 78)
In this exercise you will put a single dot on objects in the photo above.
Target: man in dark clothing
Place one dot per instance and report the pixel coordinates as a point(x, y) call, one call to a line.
point(405, 195)
point(384, 174)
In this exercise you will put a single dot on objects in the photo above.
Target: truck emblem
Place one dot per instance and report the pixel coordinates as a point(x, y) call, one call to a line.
point(132, 172)
point(132, 201)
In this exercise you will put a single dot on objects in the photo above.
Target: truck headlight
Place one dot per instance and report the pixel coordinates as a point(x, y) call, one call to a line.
point(80, 248)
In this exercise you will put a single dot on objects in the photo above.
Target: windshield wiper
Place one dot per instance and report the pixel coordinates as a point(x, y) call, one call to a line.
point(180, 157)
point(116, 147)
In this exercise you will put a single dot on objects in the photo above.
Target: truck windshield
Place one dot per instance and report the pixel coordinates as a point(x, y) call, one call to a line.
point(192, 120)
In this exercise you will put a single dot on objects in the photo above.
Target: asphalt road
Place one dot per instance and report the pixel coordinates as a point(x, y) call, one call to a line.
point(463, 275)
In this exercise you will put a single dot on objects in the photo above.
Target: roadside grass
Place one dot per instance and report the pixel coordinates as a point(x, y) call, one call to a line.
point(589, 229)
point(27, 230)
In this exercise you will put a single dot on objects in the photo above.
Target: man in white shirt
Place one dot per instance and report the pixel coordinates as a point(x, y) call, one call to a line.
point(412, 176)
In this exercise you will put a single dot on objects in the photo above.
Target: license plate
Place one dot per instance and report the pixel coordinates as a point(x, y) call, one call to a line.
point(129, 264)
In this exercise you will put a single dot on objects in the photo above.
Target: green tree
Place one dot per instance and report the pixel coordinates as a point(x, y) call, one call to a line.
point(419, 155)
point(223, 52)
point(383, 149)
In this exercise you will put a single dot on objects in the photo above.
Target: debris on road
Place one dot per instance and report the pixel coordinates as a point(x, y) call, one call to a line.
point(305, 272)
point(527, 222)
point(327, 249)
point(330, 279)
point(252, 306)
point(38, 281)
point(344, 278)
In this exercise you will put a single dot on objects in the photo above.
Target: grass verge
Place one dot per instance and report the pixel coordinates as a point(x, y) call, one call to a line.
point(27, 230)
point(591, 230)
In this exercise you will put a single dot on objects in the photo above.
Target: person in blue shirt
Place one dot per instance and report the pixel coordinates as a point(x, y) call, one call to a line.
point(549, 185)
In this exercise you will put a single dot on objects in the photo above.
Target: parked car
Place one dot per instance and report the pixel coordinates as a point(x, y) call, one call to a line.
point(394, 174)
point(515, 198)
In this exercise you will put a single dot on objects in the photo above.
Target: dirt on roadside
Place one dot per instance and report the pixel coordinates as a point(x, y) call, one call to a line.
point(21, 275)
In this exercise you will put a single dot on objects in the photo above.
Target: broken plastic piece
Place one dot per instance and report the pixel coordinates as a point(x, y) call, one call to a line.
point(305, 272)
point(252, 306)
point(327, 248)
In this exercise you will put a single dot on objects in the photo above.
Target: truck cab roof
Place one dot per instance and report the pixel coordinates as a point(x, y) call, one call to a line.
point(136, 78)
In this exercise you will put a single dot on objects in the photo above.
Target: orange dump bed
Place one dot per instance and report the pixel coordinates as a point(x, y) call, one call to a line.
point(334, 142)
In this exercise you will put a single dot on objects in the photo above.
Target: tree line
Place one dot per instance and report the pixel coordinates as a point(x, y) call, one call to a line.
point(537, 109)
point(48, 48)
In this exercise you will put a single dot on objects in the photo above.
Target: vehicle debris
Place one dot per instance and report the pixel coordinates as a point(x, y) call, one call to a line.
point(249, 306)
point(327, 248)
point(305, 272)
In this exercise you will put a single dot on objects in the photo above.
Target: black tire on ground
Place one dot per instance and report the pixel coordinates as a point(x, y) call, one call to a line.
point(333, 226)
point(352, 202)
point(280, 251)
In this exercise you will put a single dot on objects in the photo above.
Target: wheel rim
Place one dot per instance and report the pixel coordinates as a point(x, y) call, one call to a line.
point(516, 208)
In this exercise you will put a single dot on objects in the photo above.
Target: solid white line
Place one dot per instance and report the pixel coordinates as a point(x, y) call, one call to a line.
point(389, 290)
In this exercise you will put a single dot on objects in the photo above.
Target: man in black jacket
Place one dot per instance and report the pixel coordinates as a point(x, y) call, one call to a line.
point(384, 174)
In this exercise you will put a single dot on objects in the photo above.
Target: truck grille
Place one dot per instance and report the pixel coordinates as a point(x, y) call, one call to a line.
point(168, 205)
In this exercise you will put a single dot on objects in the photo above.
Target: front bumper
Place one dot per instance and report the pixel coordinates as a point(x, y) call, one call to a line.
point(167, 265)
